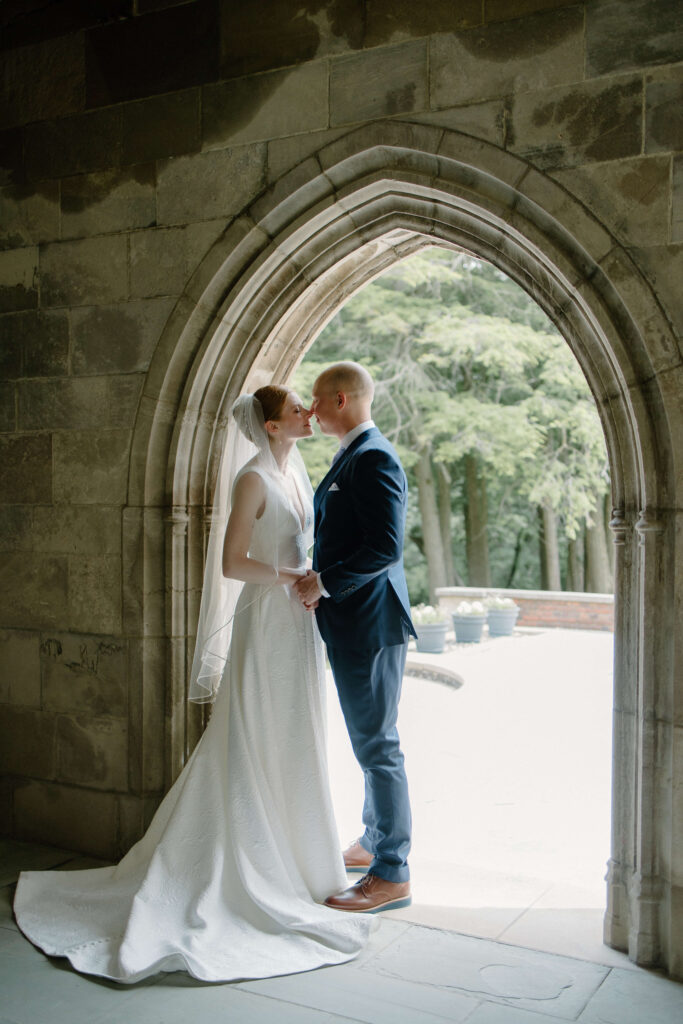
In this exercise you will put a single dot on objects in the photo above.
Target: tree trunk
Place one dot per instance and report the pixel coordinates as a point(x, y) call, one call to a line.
point(443, 480)
point(476, 522)
point(521, 536)
point(549, 549)
point(431, 528)
point(575, 563)
point(598, 574)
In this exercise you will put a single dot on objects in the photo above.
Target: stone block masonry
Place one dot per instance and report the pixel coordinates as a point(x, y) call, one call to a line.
point(156, 155)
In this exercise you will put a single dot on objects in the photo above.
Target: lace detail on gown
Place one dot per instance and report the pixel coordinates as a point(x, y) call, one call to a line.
point(227, 881)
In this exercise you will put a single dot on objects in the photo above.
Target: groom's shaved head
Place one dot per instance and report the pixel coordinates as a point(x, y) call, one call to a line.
point(352, 379)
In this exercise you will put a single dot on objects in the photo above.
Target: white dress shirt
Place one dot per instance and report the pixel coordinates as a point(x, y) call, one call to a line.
point(347, 440)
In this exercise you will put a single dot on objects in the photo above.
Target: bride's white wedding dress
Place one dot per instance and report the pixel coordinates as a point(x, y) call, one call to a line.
point(224, 883)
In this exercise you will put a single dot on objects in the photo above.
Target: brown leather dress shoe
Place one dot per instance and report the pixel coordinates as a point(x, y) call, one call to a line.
point(357, 858)
point(370, 895)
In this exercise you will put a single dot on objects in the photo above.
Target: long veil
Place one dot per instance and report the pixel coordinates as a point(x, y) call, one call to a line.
point(245, 442)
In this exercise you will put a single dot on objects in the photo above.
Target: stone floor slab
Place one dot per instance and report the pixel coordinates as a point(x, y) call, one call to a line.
point(564, 931)
point(482, 922)
point(16, 857)
point(558, 986)
point(635, 997)
point(495, 1013)
point(388, 931)
point(178, 999)
point(365, 996)
point(38, 990)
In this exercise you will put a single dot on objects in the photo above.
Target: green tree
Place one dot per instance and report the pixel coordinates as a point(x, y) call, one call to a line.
point(490, 414)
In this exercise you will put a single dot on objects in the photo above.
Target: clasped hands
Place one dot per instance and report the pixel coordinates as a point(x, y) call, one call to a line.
point(307, 590)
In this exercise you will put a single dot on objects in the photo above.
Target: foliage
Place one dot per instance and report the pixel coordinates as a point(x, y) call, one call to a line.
point(466, 363)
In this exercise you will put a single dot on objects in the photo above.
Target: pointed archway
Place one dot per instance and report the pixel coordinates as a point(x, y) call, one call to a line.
point(268, 286)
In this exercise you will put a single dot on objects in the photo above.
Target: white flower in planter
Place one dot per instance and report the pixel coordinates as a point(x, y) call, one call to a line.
point(467, 609)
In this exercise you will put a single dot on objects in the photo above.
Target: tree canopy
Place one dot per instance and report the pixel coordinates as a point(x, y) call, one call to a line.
point(490, 413)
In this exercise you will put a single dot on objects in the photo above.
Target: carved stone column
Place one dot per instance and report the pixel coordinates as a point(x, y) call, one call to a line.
point(620, 865)
point(176, 630)
point(645, 888)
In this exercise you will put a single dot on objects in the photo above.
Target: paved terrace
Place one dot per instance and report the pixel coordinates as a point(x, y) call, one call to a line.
point(509, 766)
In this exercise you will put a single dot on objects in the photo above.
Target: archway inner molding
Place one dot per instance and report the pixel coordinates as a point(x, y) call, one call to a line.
point(278, 273)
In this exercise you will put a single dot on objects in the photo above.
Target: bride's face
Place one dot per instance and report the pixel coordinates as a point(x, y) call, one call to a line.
point(295, 419)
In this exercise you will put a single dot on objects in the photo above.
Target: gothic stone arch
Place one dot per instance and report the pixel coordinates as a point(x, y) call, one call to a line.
point(257, 301)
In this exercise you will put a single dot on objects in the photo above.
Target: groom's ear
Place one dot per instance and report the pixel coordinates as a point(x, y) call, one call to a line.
point(341, 399)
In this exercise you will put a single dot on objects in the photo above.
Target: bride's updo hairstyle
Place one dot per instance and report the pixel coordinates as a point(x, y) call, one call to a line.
point(272, 398)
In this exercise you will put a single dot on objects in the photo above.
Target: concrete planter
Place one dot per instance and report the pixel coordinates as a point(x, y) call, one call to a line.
point(431, 637)
point(502, 621)
point(468, 628)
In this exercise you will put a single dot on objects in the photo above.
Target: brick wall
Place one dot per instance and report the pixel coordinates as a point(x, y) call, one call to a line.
point(566, 610)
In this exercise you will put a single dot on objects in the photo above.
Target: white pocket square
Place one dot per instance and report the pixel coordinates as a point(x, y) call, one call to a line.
point(333, 487)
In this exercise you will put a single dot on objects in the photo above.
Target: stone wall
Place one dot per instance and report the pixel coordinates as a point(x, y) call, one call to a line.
point(144, 143)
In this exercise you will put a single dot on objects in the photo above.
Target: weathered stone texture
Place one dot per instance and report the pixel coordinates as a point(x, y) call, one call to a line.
point(12, 171)
point(95, 594)
point(73, 145)
point(209, 185)
point(281, 33)
point(16, 525)
point(65, 815)
point(158, 53)
point(27, 742)
point(158, 262)
point(482, 120)
point(85, 272)
point(91, 467)
point(663, 267)
point(18, 279)
point(29, 214)
point(664, 115)
point(75, 529)
point(95, 204)
point(264, 107)
point(507, 57)
point(638, 34)
point(33, 591)
point(41, 81)
point(161, 126)
point(84, 673)
point(117, 339)
point(25, 469)
point(69, 404)
point(29, 22)
point(677, 201)
point(632, 196)
point(578, 124)
point(506, 10)
point(8, 413)
point(92, 751)
point(19, 668)
point(390, 80)
point(34, 344)
point(392, 21)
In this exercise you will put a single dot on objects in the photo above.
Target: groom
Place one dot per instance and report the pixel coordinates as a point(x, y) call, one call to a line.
point(359, 591)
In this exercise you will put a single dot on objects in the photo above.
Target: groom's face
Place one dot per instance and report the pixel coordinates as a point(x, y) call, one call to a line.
point(325, 407)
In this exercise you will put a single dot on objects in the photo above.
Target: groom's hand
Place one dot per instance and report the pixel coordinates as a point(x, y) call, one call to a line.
point(307, 590)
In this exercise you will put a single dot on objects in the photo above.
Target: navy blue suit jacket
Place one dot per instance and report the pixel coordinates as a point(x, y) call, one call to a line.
point(360, 514)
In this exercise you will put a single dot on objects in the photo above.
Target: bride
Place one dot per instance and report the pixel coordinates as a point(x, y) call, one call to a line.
point(229, 879)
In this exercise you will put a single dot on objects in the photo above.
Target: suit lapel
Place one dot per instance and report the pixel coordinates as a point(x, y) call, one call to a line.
point(333, 471)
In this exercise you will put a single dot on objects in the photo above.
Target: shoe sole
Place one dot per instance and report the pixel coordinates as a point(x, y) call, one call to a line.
point(393, 905)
